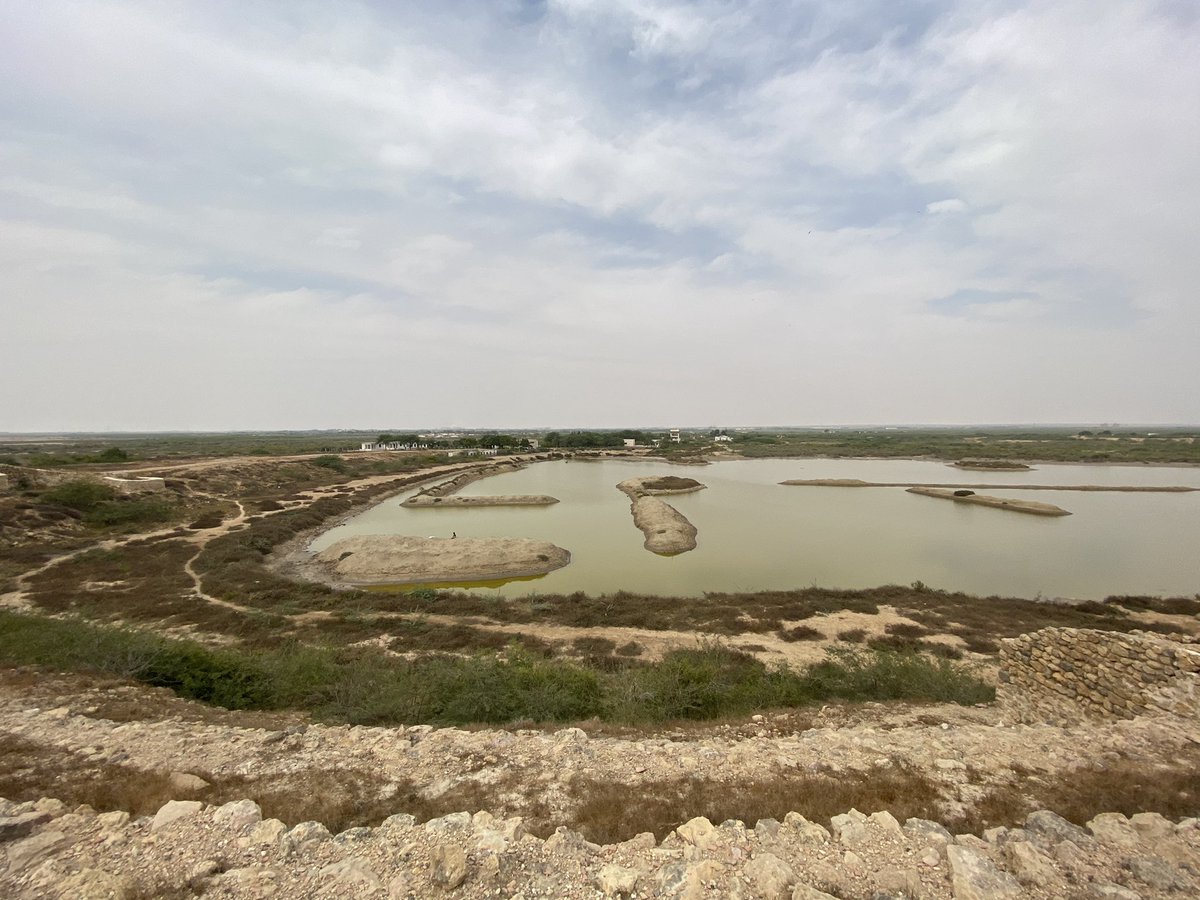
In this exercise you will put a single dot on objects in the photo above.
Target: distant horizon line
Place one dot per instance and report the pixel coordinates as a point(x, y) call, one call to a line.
point(545, 428)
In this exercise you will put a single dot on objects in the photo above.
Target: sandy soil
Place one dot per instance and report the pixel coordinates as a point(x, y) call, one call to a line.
point(397, 559)
point(1032, 507)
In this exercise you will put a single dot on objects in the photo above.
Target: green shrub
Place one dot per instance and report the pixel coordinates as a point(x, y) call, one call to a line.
point(334, 463)
point(82, 495)
point(124, 512)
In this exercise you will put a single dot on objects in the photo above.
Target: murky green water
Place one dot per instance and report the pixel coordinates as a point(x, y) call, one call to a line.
point(757, 535)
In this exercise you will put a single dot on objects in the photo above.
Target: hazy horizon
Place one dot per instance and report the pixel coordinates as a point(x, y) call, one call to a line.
point(217, 216)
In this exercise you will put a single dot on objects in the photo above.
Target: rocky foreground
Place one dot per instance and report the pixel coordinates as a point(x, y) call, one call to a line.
point(188, 848)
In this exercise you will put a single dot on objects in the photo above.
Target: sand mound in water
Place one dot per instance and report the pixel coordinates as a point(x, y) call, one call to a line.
point(397, 559)
point(666, 529)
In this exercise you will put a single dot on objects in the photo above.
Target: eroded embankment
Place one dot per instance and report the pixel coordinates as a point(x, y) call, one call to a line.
point(1032, 507)
point(667, 530)
point(400, 559)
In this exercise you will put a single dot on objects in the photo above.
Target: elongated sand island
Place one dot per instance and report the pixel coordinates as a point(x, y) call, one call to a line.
point(1093, 488)
point(667, 530)
point(1033, 507)
point(399, 559)
point(419, 501)
point(992, 465)
point(443, 494)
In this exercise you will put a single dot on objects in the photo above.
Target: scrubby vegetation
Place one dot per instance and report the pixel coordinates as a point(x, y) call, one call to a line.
point(367, 687)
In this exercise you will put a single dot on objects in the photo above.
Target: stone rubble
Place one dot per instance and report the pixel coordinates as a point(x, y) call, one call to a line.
point(228, 851)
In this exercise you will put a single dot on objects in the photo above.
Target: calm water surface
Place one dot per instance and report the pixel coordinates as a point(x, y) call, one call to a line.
point(757, 535)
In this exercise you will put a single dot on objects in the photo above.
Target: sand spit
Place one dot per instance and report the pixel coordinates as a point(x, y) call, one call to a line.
point(1117, 488)
point(426, 501)
point(440, 494)
point(667, 531)
point(399, 559)
point(1032, 507)
point(462, 479)
point(992, 465)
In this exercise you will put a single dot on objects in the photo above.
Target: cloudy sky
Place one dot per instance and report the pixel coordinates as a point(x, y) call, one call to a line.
point(598, 212)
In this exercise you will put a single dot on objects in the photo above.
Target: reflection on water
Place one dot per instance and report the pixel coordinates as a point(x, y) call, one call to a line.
point(757, 535)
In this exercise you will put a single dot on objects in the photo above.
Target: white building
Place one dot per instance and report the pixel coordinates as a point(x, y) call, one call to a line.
point(675, 439)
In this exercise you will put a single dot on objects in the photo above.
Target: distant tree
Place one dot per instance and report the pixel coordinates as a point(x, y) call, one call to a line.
point(112, 454)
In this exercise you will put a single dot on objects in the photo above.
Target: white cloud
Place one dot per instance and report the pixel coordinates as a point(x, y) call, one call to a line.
point(648, 185)
point(951, 205)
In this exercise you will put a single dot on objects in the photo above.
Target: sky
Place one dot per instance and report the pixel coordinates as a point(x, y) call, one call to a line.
point(570, 213)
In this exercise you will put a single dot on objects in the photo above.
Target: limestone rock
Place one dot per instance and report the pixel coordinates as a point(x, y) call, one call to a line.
point(850, 829)
point(770, 876)
point(899, 882)
point(1113, 828)
point(238, 815)
point(94, 884)
point(1029, 864)
point(353, 872)
point(307, 833)
point(186, 784)
point(173, 811)
point(448, 866)
point(975, 877)
point(1106, 890)
point(804, 892)
point(615, 880)
point(806, 832)
point(1154, 871)
point(268, 831)
point(1054, 828)
point(699, 832)
point(31, 851)
point(1151, 826)
point(19, 826)
point(927, 832)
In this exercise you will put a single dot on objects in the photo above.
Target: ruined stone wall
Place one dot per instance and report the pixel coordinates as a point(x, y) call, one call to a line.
point(1069, 674)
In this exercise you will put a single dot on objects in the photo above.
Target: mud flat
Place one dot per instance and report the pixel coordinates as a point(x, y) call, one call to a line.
point(399, 559)
point(427, 501)
point(1032, 507)
point(667, 531)
point(1115, 488)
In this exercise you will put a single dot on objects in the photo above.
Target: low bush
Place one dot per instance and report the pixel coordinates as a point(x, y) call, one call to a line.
point(83, 495)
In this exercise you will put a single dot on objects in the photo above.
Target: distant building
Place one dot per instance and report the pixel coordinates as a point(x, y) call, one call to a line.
point(135, 484)
point(630, 443)
point(723, 438)
point(675, 438)
point(375, 446)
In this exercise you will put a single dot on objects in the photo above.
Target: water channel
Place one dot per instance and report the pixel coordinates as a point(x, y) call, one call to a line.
point(755, 534)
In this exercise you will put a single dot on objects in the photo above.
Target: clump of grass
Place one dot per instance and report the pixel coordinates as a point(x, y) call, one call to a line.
point(852, 635)
point(1126, 787)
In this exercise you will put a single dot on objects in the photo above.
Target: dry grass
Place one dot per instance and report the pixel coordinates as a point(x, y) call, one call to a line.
point(1130, 786)
point(607, 815)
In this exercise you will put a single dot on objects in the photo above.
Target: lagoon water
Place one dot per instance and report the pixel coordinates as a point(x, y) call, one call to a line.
point(755, 534)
